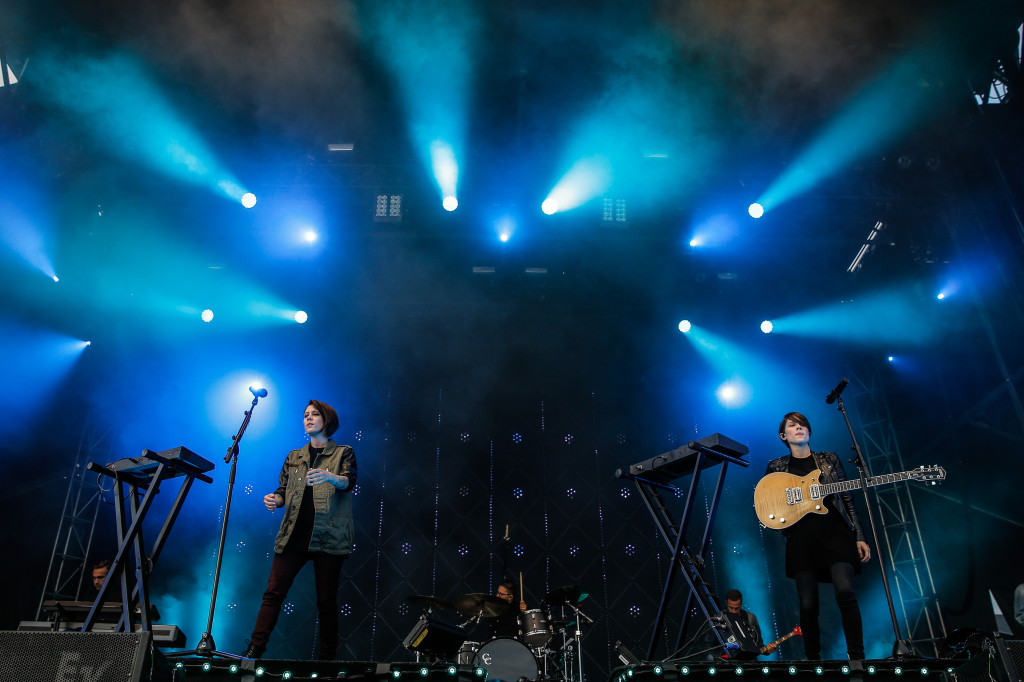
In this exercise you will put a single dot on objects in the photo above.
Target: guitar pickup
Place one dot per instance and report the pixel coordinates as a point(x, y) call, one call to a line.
point(815, 490)
point(794, 495)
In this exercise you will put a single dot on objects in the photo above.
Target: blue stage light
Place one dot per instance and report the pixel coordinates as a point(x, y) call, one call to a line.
point(301, 316)
point(549, 206)
point(755, 210)
point(248, 200)
point(767, 326)
point(207, 315)
point(450, 203)
point(684, 326)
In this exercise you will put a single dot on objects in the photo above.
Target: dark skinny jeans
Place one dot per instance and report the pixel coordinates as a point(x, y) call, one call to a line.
point(807, 591)
point(326, 571)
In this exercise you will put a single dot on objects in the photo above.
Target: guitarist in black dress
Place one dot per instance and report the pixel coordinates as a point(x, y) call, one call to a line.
point(822, 548)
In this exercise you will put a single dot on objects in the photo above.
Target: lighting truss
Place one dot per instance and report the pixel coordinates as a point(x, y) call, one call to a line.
point(867, 247)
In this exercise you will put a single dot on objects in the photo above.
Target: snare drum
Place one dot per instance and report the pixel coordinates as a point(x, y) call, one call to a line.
point(535, 628)
point(467, 652)
point(508, 660)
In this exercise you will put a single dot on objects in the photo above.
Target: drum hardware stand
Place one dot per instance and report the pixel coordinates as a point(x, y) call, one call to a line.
point(901, 648)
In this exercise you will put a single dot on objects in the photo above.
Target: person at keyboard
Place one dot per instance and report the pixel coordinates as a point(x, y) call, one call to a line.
point(315, 491)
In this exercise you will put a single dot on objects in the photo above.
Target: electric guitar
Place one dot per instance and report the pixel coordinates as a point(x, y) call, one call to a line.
point(780, 640)
point(752, 653)
point(781, 499)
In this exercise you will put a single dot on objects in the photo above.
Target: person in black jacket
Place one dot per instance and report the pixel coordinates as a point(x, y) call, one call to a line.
point(822, 547)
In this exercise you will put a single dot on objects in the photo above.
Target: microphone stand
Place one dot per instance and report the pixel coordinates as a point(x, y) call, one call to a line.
point(207, 647)
point(901, 648)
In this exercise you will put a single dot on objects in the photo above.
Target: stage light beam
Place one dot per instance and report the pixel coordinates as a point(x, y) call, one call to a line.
point(248, 200)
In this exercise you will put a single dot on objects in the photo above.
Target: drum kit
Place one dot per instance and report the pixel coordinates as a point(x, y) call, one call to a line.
point(546, 648)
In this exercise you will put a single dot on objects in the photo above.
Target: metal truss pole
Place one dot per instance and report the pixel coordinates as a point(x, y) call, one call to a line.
point(71, 546)
point(915, 588)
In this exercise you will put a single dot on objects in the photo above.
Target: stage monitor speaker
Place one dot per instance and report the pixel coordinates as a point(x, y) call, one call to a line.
point(435, 637)
point(1011, 655)
point(84, 656)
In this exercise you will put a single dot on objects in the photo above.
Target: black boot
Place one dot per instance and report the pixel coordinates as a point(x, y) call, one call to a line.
point(252, 651)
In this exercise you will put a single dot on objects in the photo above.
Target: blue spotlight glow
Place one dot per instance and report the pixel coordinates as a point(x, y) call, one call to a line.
point(248, 200)
point(767, 326)
point(733, 393)
point(695, 242)
point(755, 210)
point(684, 326)
point(878, 114)
point(891, 358)
point(310, 236)
point(549, 206)
point(22, 227)
point(505, 227)
point(450, 203)
point(56, 278)
point(446, 170)
point(301, 317)
point(587, 179)
point(951, 288)
point(895, 316)
point(113, 92)
point(207, 315)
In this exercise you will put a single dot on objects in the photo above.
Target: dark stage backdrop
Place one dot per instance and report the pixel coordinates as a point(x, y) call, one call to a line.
point(438, 486)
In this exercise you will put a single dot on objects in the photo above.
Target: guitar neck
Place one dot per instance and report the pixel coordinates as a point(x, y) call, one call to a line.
point(854, 484)
point(780, 640)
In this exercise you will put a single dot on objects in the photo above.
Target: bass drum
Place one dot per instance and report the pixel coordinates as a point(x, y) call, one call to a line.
point(508, 660)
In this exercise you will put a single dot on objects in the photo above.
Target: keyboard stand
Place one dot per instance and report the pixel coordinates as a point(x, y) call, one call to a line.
point(153, 469)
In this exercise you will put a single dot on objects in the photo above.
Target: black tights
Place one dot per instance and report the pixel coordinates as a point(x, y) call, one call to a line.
point(807, 590)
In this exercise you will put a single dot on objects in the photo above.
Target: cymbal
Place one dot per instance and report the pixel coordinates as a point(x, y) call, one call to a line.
point(570, 594)
point(429, 601)
point(486, 605)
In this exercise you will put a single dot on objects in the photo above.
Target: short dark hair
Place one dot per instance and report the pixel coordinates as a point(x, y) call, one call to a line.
point(102, 563)
point(508, 585)
point(733, 595)
point(329, 415)
point(796, 418)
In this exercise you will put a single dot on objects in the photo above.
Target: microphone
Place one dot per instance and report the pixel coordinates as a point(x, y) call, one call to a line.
point(831, 397)
point(262, 392)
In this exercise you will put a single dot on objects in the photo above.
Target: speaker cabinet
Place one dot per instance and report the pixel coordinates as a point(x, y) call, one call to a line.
point(85, 656)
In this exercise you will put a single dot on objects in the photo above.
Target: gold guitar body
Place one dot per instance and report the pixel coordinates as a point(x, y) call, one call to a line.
point(781, 499)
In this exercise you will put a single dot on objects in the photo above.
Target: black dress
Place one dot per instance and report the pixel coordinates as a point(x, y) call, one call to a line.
point(819, 540)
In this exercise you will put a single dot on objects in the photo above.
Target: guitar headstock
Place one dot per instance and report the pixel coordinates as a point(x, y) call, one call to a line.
point(932, 474)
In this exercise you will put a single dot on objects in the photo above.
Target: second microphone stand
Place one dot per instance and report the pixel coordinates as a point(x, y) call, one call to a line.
point(207, 647)
point(901, 648)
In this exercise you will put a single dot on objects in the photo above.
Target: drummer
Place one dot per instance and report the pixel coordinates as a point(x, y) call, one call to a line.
point(506, 624)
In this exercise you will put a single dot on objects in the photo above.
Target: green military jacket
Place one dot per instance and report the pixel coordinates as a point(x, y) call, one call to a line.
point(332, 526)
